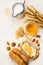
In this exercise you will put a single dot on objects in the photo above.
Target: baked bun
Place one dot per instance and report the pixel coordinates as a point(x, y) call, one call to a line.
point(18, 56)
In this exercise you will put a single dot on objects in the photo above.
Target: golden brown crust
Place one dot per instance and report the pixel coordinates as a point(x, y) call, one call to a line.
point(37, 54)
point(18, 52)
point(18, 56)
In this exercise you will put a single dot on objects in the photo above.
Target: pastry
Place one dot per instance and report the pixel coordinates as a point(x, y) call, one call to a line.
point(18, 56)
point(29, 50)
point(31, 29)
point(20, 32)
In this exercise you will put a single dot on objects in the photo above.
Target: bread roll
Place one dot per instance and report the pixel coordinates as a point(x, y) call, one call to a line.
point(18, 56)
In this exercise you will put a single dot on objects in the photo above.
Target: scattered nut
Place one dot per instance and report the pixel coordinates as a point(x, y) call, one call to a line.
point(38, 36)
point(8, 43)
point(8, 48)
point(38, 45)
point(19, 45)
point(37, 41)
point(33, 40)
point(13, 44)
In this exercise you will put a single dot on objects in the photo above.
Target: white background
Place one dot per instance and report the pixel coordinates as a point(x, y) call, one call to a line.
point(8, 25)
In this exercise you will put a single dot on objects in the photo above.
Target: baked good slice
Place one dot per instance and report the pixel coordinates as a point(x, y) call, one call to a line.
point(29, 50)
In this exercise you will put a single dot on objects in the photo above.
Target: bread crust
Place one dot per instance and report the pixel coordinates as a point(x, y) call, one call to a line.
point(18, 56)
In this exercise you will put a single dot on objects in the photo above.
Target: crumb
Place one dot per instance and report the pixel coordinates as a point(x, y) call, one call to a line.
point(13, 44)
point(19, 45)
point(8, 43)
point(8, 48)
